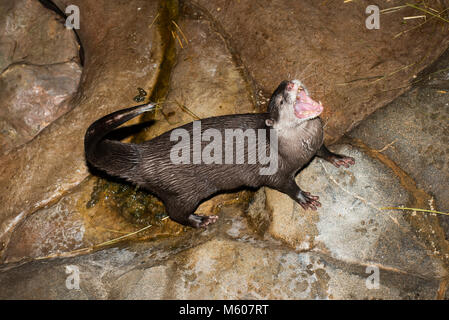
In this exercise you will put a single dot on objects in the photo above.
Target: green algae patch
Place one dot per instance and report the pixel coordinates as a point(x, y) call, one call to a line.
point(112, 210)
point(136, 206)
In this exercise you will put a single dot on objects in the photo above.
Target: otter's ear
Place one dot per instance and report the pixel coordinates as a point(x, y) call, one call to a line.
point(269, 122)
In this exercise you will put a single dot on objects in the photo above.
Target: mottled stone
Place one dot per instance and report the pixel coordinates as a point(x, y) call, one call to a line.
point(31, 97)
point(227, 261)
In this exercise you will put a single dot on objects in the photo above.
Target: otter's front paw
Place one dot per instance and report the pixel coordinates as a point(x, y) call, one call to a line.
point(338, 160)
point(307, 201)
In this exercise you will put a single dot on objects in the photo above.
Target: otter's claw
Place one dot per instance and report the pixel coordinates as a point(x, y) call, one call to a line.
point(197, 221)
point(207, 220)
point(307, 201)
point(342, 161)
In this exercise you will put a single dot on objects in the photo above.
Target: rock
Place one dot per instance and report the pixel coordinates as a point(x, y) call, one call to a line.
point(39, 70)
point(37, 175)
point(32, 97)
point(205, 81)
point(227, 261)
point(412, 131)
point(33, 34)
point(349, 226)
point(351, 69)
point(90, 215)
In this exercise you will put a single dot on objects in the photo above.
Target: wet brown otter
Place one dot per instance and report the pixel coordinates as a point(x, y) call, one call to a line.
point(292, 119)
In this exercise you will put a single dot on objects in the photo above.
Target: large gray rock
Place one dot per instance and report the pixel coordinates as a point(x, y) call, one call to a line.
point(350, 226)
point(228, 261)
point(413, 132)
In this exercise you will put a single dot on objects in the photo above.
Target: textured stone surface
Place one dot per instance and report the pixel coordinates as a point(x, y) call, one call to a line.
point(39, 70)
point(349, 226)
point(33, 34)
point(413, 131)
point(32, 97)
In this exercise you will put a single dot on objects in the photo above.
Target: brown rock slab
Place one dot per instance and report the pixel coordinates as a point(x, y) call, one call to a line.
point(33, 34)
point(205, 81)
point(351, 69)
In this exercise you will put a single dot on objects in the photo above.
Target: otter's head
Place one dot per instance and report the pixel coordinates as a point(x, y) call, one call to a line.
point(290, 104)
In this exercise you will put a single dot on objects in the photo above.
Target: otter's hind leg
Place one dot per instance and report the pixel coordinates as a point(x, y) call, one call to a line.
point(198, 221)
point(182, 212)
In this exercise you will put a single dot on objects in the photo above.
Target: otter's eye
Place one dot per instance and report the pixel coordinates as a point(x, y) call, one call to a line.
point(282, 102)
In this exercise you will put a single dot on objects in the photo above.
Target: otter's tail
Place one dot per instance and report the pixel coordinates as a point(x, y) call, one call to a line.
point(114, 157)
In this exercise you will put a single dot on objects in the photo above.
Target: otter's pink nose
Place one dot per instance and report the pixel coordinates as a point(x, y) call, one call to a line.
point(290, 86)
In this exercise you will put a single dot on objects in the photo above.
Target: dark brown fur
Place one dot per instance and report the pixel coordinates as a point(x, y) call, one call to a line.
point(183, 186)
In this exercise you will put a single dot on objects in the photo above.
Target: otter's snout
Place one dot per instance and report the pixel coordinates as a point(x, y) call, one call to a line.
point(291, 86)
point(296, 85)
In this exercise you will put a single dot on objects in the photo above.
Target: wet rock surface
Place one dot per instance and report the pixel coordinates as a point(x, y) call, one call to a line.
point(200, 59)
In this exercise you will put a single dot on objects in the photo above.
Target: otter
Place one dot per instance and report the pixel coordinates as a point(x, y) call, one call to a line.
point(292, 119)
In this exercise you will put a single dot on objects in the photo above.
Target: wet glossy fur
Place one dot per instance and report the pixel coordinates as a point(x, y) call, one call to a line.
point(183, 186)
